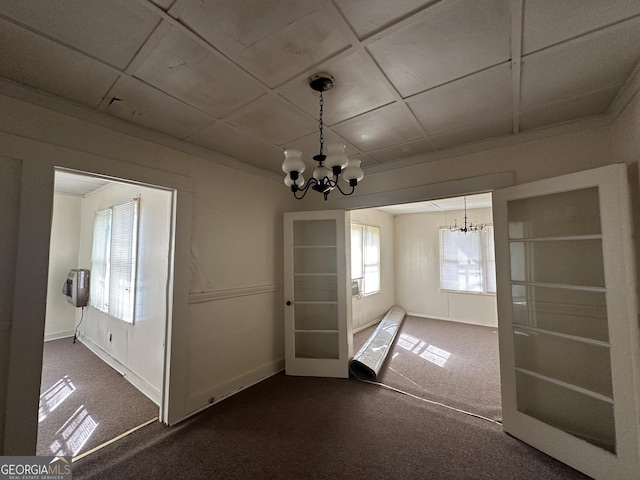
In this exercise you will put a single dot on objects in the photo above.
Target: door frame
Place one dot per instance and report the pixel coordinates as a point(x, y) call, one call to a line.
point(30, 288)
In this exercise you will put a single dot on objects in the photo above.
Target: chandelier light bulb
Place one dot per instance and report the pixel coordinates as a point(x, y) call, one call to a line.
point(353, 171)
point(299, 182)
point(336, 157)
point(293, 161)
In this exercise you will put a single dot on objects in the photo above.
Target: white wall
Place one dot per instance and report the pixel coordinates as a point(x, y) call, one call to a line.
point(371, 308)
point(139, 346)
point(236, 318)
point(63, 255)
point(418, 271)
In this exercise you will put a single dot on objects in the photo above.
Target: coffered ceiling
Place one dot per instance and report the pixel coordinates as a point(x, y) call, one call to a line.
point(412, 77)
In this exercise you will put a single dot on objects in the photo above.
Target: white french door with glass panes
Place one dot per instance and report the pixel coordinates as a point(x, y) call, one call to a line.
point(568, 320)
point(317, 286)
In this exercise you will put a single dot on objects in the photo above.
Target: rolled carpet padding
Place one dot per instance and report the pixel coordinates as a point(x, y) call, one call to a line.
point(366, 364)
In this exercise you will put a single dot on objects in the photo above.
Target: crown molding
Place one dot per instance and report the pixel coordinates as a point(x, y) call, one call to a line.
point(630, 89)
point(597, 121)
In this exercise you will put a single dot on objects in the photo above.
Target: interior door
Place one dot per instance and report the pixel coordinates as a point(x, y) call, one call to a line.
point(318, 340)
point(568, 320)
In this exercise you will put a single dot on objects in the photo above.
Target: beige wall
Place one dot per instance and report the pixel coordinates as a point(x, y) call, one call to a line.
point(371, 308)
point(418, 271)
point(230, 334)
point(63, 256)
point(236, 326)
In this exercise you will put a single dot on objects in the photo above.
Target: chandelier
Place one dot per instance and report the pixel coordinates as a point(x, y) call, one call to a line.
point(332, 166)
point(466, 227)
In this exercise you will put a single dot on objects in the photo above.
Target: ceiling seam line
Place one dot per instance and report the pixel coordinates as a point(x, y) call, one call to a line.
point(517, 7)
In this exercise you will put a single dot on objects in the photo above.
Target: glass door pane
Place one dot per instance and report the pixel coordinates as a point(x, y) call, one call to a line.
point(561, 350)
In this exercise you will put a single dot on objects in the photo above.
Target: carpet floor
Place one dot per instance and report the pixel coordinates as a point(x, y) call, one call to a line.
point(323, 428)
point(447, 362)
point(84, 402)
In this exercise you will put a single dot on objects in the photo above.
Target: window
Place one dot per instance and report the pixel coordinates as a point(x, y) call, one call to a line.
point(365, 257)
point(467, 261)
point(113, 260)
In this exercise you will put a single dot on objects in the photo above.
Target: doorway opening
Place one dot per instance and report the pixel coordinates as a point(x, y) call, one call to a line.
point(447, 347)
point(102, 375)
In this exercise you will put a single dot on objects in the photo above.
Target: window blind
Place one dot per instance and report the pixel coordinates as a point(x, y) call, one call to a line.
point(122, 275)
point(467, 261)
point(114, 260)
point(100, 260)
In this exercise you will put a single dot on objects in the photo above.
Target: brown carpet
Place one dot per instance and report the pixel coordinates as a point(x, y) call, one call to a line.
point(84, 402)
point(449, 362)
point(321, 428)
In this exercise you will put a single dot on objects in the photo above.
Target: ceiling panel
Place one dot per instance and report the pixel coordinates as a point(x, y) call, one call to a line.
point(369, 16)
point(273, 119)
point(577, 107)
point(403, 150)
point(77, 185)
point(165, 4)
point(142, 104)
point(112, 31)
point(483, 95)
point(272, 40)
point(35, 61)
point(309, 145)
point(365, 160)
point(227, 140)
point(545, 21)
point(447, 41)
point(196, 75)
point(385, 126)
point(488, 128)
point(594, 62)
point(358, 89)
point(412, 77)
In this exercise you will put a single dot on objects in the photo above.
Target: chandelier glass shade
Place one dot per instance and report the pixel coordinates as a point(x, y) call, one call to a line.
point(331, 167)
point(466, 226)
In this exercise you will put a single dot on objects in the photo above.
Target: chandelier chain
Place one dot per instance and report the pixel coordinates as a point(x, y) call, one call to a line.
point(321, 124)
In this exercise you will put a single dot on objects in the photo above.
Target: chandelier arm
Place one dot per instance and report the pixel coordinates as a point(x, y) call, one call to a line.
point(353, 189)
point(305, 189)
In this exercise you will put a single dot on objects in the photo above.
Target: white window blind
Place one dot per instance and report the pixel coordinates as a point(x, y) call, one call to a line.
point(467, 261)
point(100, 260)
point(115, 259)
point(365, 257)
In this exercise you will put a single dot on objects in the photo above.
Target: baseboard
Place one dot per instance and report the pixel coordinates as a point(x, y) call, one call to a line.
point(448, 319)
point(58, 335)
point(202, 400)
point(134, 379)
point(369, 324)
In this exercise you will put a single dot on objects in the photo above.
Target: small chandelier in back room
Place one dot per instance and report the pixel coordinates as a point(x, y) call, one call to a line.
point(330, 166)
point(466, 227)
